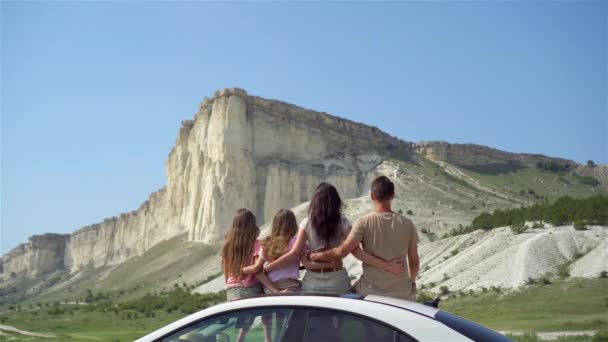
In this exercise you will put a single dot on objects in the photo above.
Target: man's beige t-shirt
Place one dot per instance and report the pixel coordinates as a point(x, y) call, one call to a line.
point(385, 235)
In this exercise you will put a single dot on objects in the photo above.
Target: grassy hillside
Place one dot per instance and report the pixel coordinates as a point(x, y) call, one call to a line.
point(170, 262)
point(576, 304)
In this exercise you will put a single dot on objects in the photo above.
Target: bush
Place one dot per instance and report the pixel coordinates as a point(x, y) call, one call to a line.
point(531, 281)
point(444, 290)
point(519, 228)
point(424, 231)
point(588, 180)
point(600, 336)
point(563, 271)
point(423, 296)
point(580, 225)
point(409, 212)
point(603, 274)
point(545, 279)
point(400, 212)
point(538, 225)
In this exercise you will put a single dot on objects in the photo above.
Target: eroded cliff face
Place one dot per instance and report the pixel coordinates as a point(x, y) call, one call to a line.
point(238, 151)
point(41, 254)
point(475, 155)
point(245, 151)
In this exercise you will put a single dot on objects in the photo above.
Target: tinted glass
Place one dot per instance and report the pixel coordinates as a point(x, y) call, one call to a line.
point(469, 329)
point(251, 325)
point(287, 325)
point(334, 326)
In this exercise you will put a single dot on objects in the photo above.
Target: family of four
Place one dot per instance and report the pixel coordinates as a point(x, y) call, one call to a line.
point(386, 243)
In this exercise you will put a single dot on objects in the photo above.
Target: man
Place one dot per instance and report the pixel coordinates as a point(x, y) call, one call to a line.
point(387, 235)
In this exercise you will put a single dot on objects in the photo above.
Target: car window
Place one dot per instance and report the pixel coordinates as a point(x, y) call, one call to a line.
point(469, 329)
point(251, 325)
point(319, 325)
point(287, 325)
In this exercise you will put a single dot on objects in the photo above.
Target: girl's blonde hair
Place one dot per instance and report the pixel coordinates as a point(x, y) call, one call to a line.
point(284, 227)
point(238, 243)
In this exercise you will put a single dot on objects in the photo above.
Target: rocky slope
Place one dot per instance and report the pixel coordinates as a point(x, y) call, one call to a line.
point(246, 151)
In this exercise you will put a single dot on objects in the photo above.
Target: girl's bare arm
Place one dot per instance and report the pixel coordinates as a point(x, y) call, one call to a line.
point(257, 266)
point(292, 255)
point(316, 265)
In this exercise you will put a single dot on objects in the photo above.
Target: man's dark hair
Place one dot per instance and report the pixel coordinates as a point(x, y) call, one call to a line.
point(382, 188)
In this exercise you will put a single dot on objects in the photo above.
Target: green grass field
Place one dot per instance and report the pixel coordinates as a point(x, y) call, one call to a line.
point(567, 305)
point(84, 326)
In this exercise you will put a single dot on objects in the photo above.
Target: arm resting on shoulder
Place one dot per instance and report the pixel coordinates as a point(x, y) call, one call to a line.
point(292, 255)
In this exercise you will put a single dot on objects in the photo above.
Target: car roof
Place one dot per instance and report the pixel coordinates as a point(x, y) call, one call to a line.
point(400, 303)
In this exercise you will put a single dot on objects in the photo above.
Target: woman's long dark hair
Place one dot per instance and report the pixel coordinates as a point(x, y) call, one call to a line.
point(325, 212)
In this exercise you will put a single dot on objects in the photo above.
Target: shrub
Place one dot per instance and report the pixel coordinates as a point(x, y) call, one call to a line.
point(590, 163)
point(518, 228)
point(454, 252)
point(445, 277)
point(423, 296)
point(588, 180)
point(496, 289)
point(538, 224)
point(580, 225)
point(545, 279)
point(409, 212)
point(563, 271)
point(604, 274)
point(444, 290)
point(400, 212)
point(424, 231)
point(600, 336)
point(530, 281)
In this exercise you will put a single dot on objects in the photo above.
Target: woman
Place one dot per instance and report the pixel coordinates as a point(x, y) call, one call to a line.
point(325, 228)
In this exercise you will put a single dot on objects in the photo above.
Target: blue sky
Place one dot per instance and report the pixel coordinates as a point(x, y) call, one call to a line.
point(93, 92)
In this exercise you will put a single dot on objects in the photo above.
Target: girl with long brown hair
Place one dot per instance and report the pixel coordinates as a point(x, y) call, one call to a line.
point(325, 228)
point(239, 253)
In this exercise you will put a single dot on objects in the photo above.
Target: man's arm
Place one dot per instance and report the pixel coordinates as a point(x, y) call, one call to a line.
point(336, 253)
point(395, 266)
point(413, 259)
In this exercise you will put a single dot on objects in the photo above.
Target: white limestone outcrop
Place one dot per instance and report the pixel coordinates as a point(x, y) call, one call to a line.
point(238, 151)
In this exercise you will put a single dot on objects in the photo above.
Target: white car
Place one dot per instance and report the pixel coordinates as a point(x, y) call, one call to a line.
point(318, 318)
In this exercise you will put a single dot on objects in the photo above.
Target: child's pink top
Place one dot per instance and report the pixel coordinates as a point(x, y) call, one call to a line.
point(250, 279)
point(291, 271)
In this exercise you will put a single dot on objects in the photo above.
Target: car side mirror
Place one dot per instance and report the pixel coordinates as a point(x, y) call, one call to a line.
point(221, 337)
